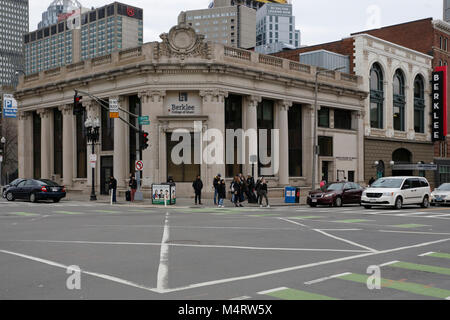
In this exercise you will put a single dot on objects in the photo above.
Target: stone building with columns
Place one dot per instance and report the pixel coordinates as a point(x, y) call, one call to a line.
point(184, 82)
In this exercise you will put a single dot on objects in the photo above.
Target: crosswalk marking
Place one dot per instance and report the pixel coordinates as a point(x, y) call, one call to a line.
point(421, 267)
point(440, 255)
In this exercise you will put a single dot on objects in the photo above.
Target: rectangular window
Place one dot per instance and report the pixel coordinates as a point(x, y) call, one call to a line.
point(183, 172)
point(107, 131)
point(376, 115)
point(233, 120)
point(325, 146)
point(342, 119)
point(324, 117)
point(265, 121)
point(58, 141)
point(295, 141)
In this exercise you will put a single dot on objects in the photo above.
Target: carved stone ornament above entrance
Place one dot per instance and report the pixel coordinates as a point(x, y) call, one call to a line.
point(182, 41)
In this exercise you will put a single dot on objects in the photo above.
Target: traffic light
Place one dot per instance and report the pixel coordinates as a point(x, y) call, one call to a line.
point(77, 105)
point(143, 141)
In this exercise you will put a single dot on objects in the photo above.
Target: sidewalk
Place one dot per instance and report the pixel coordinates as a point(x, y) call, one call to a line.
point(181, 202)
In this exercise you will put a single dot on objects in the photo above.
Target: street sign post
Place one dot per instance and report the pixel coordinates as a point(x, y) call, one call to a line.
point(114, 108)
point(144, 121)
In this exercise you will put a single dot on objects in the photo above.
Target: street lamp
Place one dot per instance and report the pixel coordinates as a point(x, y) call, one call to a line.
point(93, 135)
point(316, 146)
point(2, 147)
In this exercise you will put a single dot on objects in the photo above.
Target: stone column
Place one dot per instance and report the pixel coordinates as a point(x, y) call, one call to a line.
point(283, 126)
point(69, 137)
point(388, 107)
point(121, 133)
point(308, 119)
point(251, 105)
point(214, 107)
point(25, 144)
point(46, 143)
point(360, 116)
point(409, 111)
point(92, 111)
point(152, 102)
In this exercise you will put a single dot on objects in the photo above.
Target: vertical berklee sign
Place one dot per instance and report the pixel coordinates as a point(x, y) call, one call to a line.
point(439, 112)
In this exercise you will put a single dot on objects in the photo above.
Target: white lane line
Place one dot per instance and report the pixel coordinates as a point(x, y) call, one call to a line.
point(415, 232)
point(241, 298)
point(296, 268)
point(163, 269)
point(412, 214)
point(388, 263)
point(272, 290)
point(345, 240)
point(95, 274)
point(438, 216)
point(191, 245)
point(327, 278)
point(189, 227)
point(294, 222)
point(341, 230)
point(426, 254)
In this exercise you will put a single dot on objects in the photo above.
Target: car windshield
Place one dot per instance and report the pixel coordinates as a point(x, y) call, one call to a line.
point(335, 187)
point(444, 187)
point(48, 183)
point(387, 183)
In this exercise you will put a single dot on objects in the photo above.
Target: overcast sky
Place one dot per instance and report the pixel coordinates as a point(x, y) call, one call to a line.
point(319, 20)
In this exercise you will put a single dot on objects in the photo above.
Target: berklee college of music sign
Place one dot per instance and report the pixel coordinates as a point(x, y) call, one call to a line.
point(439, 113)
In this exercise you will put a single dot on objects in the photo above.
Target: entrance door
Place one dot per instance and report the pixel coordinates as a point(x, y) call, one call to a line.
point(106, 171)
point(325, 171)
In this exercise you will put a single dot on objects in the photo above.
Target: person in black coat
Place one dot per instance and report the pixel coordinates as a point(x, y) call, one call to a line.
point(222, 192)
point(236, 189)
point(133, 187)
point(216, 183)
point(198, 186)
point(113, 188)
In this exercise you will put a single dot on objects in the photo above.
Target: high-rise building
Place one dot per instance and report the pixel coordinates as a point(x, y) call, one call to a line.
point(275, 28)
point(56, 9)
point(84, 35)
point(13, 24)
point(254, 4)
point(229, 25)
point(447, 10)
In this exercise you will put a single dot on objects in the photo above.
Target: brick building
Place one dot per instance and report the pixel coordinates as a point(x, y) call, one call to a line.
point(397, 121)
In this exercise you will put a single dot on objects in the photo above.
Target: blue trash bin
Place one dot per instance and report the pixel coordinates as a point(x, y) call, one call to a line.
point(290, 194)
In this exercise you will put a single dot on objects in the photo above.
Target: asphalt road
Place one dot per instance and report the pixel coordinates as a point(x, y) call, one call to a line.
point(284, 253)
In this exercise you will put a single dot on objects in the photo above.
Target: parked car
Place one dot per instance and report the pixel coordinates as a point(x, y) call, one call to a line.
point(12, 184)
point(441, 195)
point(35, 190)
point(336, 194)
point(396, 192)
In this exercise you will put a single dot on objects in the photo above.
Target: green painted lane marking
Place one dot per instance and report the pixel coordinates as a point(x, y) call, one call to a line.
point(409, 226)
point(402, 286)
point(24, 214)
point(311, 217)
point(352, 221)
point(105, 211)
point(440, 255)
point(421, 267)
point(67, 212)
point(265, 215)
point(291, 294)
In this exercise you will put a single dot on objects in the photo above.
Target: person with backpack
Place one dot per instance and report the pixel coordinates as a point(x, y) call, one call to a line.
point(198, 186)
point(222, 192)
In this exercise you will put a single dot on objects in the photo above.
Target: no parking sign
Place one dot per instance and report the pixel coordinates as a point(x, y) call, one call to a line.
point(139, 165)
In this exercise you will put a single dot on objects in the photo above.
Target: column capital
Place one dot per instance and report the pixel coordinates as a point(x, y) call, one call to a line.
point(23, 115)
point(152, 95)
point(66, 109)
point(253, 100)
point(213, 95)
point(360, 114)
point(44, 113)
point(285, 105)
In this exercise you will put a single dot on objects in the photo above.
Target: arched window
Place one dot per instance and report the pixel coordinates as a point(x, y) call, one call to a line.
point(376, 97)
point(399, 101)
point(419, 105)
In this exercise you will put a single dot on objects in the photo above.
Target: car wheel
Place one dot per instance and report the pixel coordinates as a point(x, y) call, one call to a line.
point(33, 198)
point(425, 203)
point(9, 196)
point(368, 207)
point(56, 200)
point(338, 202)
point(398, 203)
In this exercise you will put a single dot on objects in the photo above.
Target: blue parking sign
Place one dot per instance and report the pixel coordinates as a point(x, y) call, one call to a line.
point(9, 106)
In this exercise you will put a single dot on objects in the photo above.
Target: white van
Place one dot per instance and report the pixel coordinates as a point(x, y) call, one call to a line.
point(396, 192)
